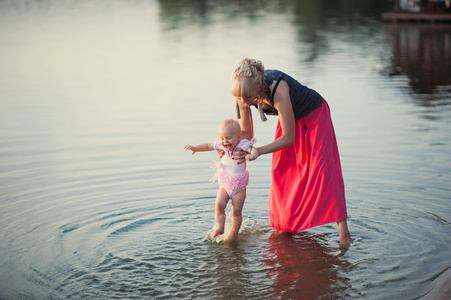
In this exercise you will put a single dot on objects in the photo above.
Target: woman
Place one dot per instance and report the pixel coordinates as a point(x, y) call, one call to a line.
point(307, 188)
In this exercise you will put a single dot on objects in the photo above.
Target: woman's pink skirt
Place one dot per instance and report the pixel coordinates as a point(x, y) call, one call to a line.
point(307, 188)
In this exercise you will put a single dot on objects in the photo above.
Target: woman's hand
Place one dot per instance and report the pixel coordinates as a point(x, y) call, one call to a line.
point(241, 156)
point(253, 155)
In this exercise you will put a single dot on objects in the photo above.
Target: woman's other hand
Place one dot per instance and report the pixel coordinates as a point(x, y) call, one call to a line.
point(241, 156)
point(253, 155)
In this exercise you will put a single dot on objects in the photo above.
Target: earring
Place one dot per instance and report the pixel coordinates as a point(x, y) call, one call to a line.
point(261, 112)
point(260, 108)
point(237, 109)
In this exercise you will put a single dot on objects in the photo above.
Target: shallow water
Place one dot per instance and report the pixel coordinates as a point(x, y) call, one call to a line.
point(99, 200)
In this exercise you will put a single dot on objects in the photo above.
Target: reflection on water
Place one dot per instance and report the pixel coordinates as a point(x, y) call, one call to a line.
point(422, 52)
point(301, 267)
point(99, 200)
point(312, 21)
point(231, 272)
point(275, 265)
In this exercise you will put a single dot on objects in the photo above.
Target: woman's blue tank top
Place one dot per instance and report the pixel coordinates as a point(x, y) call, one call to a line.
point(303, 99)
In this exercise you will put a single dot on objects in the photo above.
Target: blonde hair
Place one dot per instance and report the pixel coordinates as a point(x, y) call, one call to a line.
point(248, 74)
point(232, 123)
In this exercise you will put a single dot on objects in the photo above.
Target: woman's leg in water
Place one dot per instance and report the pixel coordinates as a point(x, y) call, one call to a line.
point(343, 232)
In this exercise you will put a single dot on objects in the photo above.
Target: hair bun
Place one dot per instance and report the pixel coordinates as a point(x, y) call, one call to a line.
point(249, 67)
point(248, 74)
point(254, 63)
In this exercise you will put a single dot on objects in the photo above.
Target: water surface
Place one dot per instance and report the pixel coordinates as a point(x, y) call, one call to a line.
point(99, 200)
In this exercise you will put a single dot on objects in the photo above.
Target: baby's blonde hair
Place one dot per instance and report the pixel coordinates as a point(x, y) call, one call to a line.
point(232, 123)
point(248, 74)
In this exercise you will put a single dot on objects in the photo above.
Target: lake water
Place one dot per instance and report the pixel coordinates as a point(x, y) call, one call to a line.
point(98, 199)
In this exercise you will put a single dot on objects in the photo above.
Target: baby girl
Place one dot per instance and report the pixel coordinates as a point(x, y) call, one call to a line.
point(232, 177)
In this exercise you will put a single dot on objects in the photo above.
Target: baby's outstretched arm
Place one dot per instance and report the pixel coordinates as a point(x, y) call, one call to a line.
point(200, 148)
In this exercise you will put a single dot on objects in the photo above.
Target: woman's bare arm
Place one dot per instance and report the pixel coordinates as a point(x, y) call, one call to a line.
point(246, 123)
point(283, 105)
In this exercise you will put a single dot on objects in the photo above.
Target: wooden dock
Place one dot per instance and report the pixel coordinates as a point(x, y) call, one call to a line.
point(417, 17)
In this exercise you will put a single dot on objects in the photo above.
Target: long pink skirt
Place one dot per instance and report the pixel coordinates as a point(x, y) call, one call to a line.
point(307, 188)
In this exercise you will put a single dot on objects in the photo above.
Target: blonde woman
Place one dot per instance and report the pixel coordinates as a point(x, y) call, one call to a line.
point(307, 187)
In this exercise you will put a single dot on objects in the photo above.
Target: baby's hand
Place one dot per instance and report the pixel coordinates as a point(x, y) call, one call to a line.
point(192, 148)
point(220, 153)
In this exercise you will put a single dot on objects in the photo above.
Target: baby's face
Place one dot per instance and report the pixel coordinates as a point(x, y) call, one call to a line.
point(229, 137)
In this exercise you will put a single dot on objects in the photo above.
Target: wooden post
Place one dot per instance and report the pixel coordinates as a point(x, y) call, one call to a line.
point(396, 8)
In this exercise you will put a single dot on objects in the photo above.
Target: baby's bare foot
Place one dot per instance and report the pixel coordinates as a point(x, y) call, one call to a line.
point(217, 232)
point(231, 238)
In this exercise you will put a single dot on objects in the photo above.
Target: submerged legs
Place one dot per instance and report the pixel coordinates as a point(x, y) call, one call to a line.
point(237, 218)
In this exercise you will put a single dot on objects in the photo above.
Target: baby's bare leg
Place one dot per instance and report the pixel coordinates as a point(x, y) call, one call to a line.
point(237, 217)
point(221, 203)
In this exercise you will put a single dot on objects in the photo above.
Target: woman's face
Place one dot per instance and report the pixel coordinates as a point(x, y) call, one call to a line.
point(252, 98)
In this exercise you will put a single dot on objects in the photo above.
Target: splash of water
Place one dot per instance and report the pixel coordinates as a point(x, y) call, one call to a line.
point(248, 226)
